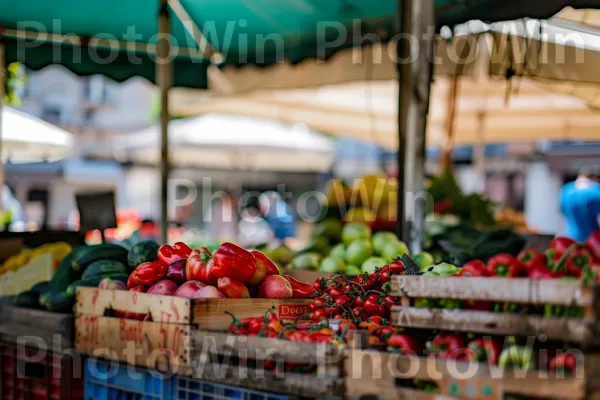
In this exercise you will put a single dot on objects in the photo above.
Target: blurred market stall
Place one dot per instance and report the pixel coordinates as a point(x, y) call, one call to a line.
point(26, 138)
point(231, 142)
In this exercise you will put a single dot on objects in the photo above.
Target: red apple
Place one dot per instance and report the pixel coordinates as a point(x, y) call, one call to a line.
point(275, 287)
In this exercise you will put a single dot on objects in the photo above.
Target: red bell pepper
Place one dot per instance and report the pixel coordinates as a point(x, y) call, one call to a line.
point(264, 267)
point(232, 289)
point(147, 274)
point(530, 258)
point(483, 350)
point(593, 244)
point(560, 244)
point(565, 363)
point(473, 268)
point(199, 267)
point(403, 344)
point(558, 247)
point(232, 261)
point(182, 249)
point(300, 290)
point(579, 259)
point(169, 254)
point(539, 272)
point(504, 265)
point(447, 345)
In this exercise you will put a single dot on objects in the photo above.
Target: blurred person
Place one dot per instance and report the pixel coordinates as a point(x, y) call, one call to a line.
point(253, 230)
point(580, 204)
point(278, 214)
point(221, 218)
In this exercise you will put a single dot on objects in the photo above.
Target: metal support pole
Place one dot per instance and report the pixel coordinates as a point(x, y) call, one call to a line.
point(3, 76)
point(164, 76)
point(415, 66)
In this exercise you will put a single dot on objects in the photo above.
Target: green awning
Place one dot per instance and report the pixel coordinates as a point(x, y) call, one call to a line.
point(243, 31)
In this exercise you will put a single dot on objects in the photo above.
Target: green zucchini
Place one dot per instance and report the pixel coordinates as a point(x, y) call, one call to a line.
point(104, 267)
point(27, 299)
point(94, 282)
point(40, 287)
point(59, 302)
point(107, 251)
point(65, 274)
point(142, 252)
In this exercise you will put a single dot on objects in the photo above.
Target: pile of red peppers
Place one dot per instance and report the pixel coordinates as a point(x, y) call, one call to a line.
point(233, 270)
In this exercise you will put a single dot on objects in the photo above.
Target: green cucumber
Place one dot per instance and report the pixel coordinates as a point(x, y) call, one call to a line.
point(40, 287)
point(104, 267)
point(142, 252)
point(94, 282)
point(27, 299)
point(65, 274)
point(107, 251)
point(59, 302)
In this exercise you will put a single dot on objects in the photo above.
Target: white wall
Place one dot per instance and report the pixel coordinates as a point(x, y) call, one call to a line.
point(542, 207)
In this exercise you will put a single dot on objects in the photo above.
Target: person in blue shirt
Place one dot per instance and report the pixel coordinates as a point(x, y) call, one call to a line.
point(279, 215)
point(580, 204)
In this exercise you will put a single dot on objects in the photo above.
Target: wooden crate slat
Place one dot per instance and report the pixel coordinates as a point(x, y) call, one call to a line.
point(577, 330)
point(148, 344)
point(169, 309)
point(306, 385)
point(328, 358)
point(372, 372)
point(527, 291)
point(209, 314)
point(54, 329)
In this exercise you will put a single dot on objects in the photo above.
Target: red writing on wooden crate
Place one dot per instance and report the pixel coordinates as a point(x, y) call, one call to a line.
point(292, 311)
point(131, 330)
point(88, 331)
point(174, 342)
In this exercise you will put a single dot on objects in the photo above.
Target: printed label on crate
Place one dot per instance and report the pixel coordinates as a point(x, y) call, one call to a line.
point(474, 388)
point(292, 311)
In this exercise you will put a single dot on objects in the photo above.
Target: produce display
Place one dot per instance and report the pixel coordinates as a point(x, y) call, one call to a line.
point(352, 250)
point(59, 250)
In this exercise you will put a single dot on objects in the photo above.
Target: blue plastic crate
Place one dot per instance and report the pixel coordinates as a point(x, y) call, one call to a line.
point(105, 380)
point(193, 389)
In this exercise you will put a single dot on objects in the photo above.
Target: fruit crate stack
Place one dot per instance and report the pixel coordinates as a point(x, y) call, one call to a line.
point(37, 357)
point(531, 341)
point(154, 331)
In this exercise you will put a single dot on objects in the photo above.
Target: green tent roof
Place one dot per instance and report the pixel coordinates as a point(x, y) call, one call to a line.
point(242, 31)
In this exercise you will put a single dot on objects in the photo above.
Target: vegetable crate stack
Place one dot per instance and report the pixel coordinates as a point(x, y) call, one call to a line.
point(37, 356)
point(477, 337)
point(173, 291)
point(263, 354)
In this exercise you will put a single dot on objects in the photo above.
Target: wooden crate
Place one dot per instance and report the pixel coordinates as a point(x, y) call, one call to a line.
point(525, 291)
point(213, 350)
point(382, 375)
point(162, 340)
point(25, 326)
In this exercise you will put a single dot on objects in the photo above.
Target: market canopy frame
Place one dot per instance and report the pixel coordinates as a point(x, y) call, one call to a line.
point(88, 25)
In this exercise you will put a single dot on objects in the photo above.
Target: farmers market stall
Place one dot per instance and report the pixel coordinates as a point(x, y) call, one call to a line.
point(156, 307)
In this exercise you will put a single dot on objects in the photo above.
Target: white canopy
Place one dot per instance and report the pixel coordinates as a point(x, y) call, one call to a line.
point(233, 142)
point(26, 138)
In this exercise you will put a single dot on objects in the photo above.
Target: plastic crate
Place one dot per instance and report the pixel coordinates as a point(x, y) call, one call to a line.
point(24, 376)
point(193, 389)
point(113, 381)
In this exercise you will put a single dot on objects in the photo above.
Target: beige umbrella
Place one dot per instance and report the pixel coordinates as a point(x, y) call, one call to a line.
point(367, 110)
